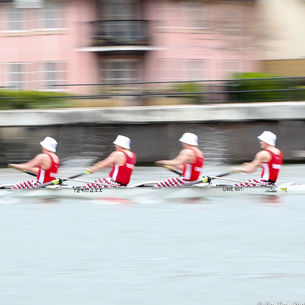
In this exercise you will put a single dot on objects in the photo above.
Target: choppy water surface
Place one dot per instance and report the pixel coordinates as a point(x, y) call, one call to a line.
point(239, 250)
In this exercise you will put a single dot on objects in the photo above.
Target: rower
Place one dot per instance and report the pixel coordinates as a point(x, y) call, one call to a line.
point(122, 162)
point(269, 159)
point(190, 161)
point(45, 165)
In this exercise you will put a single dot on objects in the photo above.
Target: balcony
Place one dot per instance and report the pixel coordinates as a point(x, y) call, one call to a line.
point(109, 33)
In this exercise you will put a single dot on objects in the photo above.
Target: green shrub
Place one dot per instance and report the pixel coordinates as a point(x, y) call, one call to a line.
point(190, 88)
point(10, 99)
point(276, 89)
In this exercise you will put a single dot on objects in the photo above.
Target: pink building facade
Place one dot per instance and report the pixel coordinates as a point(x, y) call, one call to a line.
point(48, 44)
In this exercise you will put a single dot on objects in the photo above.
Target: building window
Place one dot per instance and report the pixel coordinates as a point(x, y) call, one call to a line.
point(230, 18)
point(15, 76)
point(195, 15)
point(46, 15)
point(28, 3)
point(167, 15)
point(52, 15)
point(171, 70)
point(14, 19)
point(120, 9)
point(187, 15)
point(53, 74)
point(120, 71)
point(196, 70)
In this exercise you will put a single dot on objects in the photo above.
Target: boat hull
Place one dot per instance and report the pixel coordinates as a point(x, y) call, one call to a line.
point(195, 191)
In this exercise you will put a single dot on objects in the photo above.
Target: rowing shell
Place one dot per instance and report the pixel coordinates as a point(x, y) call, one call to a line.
point(194, 191)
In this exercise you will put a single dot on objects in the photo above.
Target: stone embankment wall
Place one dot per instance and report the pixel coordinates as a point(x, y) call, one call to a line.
point(227, 133)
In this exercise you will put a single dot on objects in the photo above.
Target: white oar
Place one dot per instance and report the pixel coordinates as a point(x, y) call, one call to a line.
point(77, 180)
point(208, 179)
point(232, 180)
point(28, 172)
point(172, 169)
point(61, 180)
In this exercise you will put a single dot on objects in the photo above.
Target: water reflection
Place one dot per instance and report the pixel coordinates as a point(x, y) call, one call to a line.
point(270, 199)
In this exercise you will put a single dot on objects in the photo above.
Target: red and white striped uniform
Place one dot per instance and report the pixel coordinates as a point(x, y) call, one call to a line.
point(26, 185)
point(173, 182)
point(102, 183)
point(272, 168)
point(252, 182)
point(192, 171)
point(270, 171)
point(122, 174)
point(43, 176)
point(118, 176)
point(47, 175)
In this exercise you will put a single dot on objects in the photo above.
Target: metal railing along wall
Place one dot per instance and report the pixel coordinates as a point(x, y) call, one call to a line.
point(201, 91)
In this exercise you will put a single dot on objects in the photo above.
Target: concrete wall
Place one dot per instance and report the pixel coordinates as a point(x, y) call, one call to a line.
point(227, 133)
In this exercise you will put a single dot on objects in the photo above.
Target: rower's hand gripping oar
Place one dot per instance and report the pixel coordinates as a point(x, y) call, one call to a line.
point(59, 181)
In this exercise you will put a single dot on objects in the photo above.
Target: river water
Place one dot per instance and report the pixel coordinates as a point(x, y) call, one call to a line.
point(237, 250)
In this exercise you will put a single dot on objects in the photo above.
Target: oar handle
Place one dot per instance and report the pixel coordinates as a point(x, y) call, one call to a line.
point(78, 175)
point(29, 172)
point(230, 172)
point(61, 180)
point(168, 167)
point(208, 179)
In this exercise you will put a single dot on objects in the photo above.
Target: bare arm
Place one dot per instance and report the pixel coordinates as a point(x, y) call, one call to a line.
point(185, 156)
point(115, 157)
point(250, 167)
point(32, 165)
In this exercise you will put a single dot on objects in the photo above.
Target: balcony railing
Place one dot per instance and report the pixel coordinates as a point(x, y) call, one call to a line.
point(120, 32)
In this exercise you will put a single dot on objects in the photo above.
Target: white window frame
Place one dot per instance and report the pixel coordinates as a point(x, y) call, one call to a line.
point(57, 75)
point(230, 18)
point(180, 17)
point(23, 23)
point(196, 69)
point(193, 9)
point(11, 12)
point(10, 82)
point(57, 12)
point(122, 6)
point(107, 70)
point(171, 69)
point(28, 3)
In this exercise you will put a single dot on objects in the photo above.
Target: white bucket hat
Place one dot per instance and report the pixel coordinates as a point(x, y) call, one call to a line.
point(49, 144)
point(122, 141)
point(189, 138)
point(268, 137)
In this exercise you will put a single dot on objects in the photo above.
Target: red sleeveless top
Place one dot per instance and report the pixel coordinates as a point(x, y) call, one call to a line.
point(192, 171)
point(122, 174)
point(47, 175)
point(271, 169)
